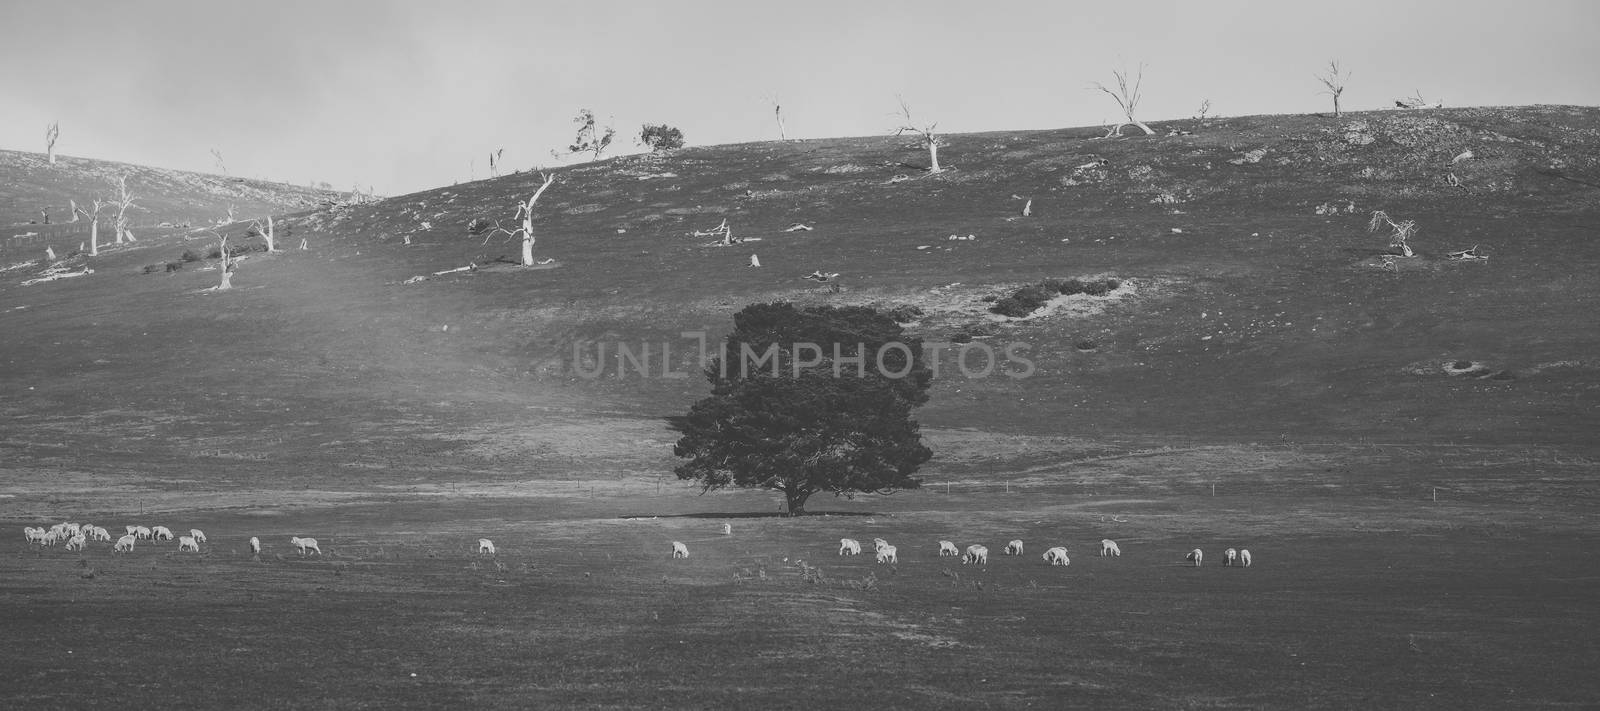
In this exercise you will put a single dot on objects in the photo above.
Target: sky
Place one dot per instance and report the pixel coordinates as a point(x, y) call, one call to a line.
point(414, 94)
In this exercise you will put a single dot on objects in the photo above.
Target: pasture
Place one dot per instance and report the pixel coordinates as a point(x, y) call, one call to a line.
point(1351, 602)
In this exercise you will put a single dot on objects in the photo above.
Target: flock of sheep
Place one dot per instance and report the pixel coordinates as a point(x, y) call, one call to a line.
point(75, 536)
point(979, 554)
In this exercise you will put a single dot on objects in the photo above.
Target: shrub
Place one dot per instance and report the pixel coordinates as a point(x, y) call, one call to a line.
point(661, 137)
point(905, 313)
point(1071, 286)
point(1025, 301)
point(190, 256)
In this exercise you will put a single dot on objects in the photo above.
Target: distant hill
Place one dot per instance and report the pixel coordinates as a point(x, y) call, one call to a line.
point(1256, 304)
point(29, 185)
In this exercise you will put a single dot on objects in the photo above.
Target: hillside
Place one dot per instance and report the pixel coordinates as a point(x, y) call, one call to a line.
point(1245, 316)
point(1405, 444)
point(29, 185)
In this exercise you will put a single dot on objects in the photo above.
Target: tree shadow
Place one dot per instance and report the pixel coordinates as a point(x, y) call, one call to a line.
point(749, 514)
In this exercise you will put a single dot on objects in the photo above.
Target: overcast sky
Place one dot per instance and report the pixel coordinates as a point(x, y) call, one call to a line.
point(409, 95)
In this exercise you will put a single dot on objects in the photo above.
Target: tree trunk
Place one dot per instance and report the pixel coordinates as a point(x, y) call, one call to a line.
point(1143, 127)
point(527, 240)
point(795, 498)
point(94, 238)
point(933, 156)
point(1336, 112)
point(272, 244)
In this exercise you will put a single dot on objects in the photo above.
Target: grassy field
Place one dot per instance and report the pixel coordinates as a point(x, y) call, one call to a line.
point(1406, 445)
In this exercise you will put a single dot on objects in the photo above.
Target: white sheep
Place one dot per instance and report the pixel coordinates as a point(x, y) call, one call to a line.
point(255, 546)
point(976, 554)
point(1229, 557)
point(948, 548)
point(197, 534)
point(75, 543)
point(727, 529)
point(1057, 556)
point(132, 530)
point(33, 535)
point(485, 546)
point(849, 546)
point(50, 538)
point(141, 532)
point(100, 534)
point(188, 543)
point(679, 550)
point(1109, 547)
point(1013, 548)
point(161, 533)
point(1244, 557)
point(888, 554)
point(1195, 555)
point(879, 543)
point(304, 544)
point(124, 544)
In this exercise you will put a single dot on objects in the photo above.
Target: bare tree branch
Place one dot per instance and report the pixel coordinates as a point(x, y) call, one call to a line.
point(1335, 83)
point(1127, 98)
point(930, 139)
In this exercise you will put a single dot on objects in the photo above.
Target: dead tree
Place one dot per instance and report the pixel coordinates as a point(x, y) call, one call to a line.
point(267, 233)
point(123, 201)
point(1127, 99)
point(227, 220)
point(1335, 83)
point(777, 113)
point(227, 263)
point(72, 206)
point(94, 224)
point(1402, 231)
point(525, 215)
point(925, 136)
point(494, 162)
point(220, 165)
point(51, 133)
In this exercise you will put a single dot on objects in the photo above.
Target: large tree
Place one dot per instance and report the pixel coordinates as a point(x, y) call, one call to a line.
point(808, 400)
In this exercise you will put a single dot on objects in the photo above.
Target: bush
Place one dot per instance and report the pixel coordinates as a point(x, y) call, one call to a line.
point(661, 137)
point(1025, 301)
point(190, 256)
point(905, 313)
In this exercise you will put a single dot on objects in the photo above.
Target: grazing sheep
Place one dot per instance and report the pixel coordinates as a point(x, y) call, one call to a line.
point(1244, 557)
point(887, 554)
point(50, 538)
point(124, 544)
point(33, 535)
point(100, 534)
point(485, 546)
point(1195, 555)
point(304, 544)
point(1229, 557)
point(879, 543)
point(727, 529)
point(188, 543)
point(255, 546)
point(1109, 547)
point(1013, 548)
point(976, 554)
point(132, 530)
point(849, 546)
point(679, 550)
point(75, 543)
point(197, 534)
point(141, 532)
point(1057, 556)
point(948, 548)
point(161, 533)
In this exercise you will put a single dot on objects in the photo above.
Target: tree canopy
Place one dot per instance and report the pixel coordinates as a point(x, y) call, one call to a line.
point(807, 400)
